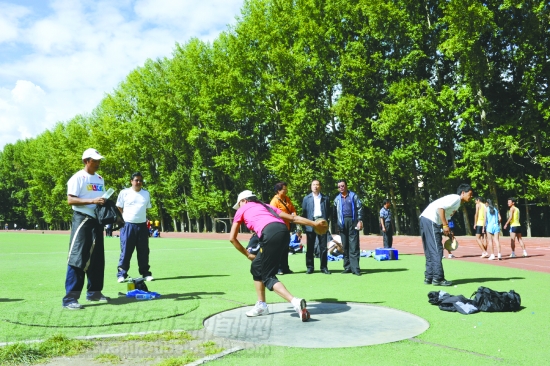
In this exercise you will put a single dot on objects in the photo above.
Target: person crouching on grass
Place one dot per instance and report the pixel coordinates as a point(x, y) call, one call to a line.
point(268, 223)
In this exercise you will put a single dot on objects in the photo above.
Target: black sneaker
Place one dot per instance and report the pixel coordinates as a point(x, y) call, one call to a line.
point(99, 298)
point(443, 282)
point(427, 281)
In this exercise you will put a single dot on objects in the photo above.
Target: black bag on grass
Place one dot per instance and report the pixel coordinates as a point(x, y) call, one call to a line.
point(493, 301)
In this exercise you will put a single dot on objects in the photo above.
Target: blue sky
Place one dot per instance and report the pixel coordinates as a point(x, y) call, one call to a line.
point(58, 58)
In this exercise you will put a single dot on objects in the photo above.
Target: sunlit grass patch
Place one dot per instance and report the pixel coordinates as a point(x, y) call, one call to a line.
point(181, 337)
point(108, 358)
point(186, 358)
point(58, 345)
point(210, 348)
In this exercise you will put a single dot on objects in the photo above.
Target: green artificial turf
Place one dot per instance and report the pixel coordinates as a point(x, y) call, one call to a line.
point(198, 278)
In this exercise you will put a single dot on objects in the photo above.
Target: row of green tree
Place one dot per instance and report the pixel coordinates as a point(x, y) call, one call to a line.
point(403, 98)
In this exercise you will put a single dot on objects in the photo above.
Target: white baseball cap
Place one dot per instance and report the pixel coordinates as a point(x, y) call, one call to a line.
point(92, 153)
point(242, 196)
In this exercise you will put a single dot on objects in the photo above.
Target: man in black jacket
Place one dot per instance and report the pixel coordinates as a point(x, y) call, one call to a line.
point(316, 205)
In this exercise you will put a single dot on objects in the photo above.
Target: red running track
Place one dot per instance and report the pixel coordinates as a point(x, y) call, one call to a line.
point(538, 250)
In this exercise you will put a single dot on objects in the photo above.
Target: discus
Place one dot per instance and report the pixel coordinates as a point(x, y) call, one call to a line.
point(451, 244)
point(320, 230)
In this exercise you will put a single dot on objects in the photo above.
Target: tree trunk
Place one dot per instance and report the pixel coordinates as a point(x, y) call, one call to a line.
point(415, 221)
point(213, 221)
point(175, 224)
point(182, 223)
point(527, 215)
point(395, 214)
point(466, 221)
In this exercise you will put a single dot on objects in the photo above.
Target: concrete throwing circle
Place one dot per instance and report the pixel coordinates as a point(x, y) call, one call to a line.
point(332, 325)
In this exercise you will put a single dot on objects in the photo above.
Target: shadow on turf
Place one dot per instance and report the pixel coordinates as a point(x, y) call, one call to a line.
point(330, 300)
point(376, 270)
point(485, 279)
point(316, 309)
point(122, 299)
point(187, 277)
point(10, 300)
point(363, 271)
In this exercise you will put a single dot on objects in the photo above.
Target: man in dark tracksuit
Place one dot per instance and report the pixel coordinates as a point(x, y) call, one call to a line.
point(349, 221)
point(386, 224)
point(316, 205)
point(86, 251)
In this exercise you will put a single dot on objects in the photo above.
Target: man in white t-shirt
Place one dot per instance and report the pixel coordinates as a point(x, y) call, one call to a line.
point(433, 221)
point(133, 203)
point(86, 251)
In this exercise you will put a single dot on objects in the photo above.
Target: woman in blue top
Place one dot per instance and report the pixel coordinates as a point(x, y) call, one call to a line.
point(492, 223)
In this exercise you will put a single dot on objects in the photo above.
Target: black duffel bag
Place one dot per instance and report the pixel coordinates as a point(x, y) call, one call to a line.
point(107, 213)
point(489, 300)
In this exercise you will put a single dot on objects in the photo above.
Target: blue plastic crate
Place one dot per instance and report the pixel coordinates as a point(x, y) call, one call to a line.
point(392, 253)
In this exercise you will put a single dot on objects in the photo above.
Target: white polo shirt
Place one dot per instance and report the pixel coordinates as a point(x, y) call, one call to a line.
point(317, 205)
point(134, 205)
point(449, 203)
point(85, 185)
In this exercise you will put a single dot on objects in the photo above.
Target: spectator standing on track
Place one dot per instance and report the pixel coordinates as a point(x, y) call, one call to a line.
point(479, 226)
point(515, 227)
point(493, 228)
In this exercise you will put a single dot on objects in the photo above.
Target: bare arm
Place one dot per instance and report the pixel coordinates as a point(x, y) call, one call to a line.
point(475, 216)
point(75, 201)
point(233, 239)
point(446, 229)
point(301, 220)
point(382, 224)
point(510, 217)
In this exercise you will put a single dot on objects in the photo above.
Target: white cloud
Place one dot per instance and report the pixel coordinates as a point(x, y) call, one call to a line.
point(22, 110)
point(9, 21)
point(66, 57)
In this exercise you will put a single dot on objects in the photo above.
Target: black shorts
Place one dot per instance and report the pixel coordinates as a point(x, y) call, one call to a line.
point(515, 229)
point(273, 243)
point(479, 230)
